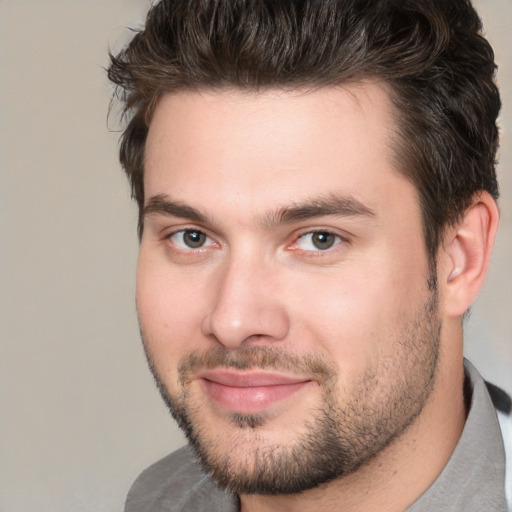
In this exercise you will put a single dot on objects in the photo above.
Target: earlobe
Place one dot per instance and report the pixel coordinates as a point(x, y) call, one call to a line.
point(467, 253)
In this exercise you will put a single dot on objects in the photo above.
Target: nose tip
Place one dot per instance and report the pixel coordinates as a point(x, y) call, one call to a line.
point(235, 328)
point(243, 312)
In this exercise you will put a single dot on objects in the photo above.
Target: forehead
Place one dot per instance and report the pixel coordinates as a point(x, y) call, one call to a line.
point(256, 149)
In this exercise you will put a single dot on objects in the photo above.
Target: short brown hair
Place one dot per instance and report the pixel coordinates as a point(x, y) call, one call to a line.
point(431, 53)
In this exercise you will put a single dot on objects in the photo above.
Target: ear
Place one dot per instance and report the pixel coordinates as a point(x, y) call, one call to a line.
point(466, 254)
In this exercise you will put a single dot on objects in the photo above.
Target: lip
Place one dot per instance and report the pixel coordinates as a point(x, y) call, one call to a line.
point(249, 392)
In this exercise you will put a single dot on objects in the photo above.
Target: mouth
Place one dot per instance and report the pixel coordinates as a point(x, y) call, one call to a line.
point(249, 392)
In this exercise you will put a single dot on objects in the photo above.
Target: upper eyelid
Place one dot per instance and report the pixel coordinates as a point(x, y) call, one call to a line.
point(175, 230)
point(303, 235)
point(183, 230)
point(343, 235)
point(172, 230)
point(164, 222)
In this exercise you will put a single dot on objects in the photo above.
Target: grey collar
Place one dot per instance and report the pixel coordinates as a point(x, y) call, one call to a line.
point(474, 478)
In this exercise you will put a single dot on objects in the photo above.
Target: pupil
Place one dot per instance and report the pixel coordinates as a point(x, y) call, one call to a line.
point(194, 239)
point(323, 240)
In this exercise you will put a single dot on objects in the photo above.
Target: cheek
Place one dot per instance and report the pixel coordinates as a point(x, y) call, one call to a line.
point(342, 319)
point(356, 317)
point(169, 310)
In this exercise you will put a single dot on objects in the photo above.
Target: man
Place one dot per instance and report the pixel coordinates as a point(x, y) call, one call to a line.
point(317, 193)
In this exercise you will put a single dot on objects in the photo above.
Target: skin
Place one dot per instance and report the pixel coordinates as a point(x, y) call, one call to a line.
point(240, 163)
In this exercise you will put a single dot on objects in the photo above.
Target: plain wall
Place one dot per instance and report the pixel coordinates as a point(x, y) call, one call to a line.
point(79, 413)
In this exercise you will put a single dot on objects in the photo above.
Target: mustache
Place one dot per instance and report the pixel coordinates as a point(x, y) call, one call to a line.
point(263, 358)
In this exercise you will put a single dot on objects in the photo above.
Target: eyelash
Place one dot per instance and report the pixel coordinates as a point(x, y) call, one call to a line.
point(294, 246)
point(183, 232)
point(338, 239)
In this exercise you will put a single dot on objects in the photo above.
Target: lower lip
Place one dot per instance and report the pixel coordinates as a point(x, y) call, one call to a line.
point(250, 400)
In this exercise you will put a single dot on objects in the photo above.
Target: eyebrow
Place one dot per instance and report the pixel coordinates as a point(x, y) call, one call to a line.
point(330, 205)
point(162, 205)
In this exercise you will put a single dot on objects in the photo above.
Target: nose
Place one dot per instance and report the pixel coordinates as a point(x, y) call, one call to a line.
point(246, 307)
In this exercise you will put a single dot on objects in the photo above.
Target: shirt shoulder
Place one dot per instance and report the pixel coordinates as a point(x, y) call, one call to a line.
point(177, 483)
point(473, 480)
point(503, 405)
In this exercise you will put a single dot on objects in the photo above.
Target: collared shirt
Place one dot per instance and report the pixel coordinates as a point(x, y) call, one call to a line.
point(474, 478)
point(472, 481)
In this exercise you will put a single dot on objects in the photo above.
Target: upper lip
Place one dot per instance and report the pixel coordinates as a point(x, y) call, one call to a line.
point(249, 378)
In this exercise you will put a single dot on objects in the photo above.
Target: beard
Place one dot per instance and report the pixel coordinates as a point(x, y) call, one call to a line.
point(340, 436)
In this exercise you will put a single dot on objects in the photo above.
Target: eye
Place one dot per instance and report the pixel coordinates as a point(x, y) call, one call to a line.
point(318, 241)
point(190, 239)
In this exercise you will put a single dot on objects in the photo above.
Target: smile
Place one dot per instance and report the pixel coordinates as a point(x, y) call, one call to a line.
point(249, 392)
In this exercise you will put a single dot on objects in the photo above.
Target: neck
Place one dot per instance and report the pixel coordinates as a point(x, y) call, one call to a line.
point(402, 472)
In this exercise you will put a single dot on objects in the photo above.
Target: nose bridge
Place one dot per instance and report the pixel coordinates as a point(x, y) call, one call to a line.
point(246, 305)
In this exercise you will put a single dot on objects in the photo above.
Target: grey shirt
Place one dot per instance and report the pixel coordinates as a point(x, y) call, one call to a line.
point(472, 481)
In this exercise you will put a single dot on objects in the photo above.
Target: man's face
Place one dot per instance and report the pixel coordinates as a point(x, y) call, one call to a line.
point(282, 282)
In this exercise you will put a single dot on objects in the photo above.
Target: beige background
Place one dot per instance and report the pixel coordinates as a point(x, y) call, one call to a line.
point(79, 415)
